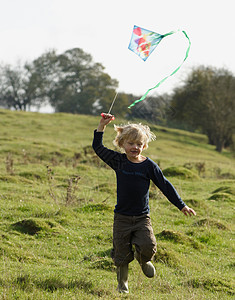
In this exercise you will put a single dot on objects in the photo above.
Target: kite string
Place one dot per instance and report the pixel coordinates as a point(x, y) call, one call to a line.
point(112, 103)
point(177, 69)
point(103, 114)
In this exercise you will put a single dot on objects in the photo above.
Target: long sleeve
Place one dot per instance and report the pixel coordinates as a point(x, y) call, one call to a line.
point(110, 157)
point(166, 187)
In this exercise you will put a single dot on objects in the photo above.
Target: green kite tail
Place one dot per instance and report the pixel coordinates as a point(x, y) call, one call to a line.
point(176, 70)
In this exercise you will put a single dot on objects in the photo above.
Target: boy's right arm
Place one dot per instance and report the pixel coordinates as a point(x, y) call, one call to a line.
point(110, 157)
point(105, 120)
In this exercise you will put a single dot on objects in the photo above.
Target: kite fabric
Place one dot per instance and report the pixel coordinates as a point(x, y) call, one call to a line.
point(143, 42)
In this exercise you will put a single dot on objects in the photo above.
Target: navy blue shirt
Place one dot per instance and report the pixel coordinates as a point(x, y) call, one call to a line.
point(133, 180)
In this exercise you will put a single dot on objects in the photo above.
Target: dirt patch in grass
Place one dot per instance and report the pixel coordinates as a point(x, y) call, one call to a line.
point(52, 284)
point(224, 193)
point(180, 172)
point(177, 237)
point(101, 260)
point(211, 223)
point(166, 256)
point(212, 284)
point(33, 226)
point(104, 264)
point(221, 197)
point(225, 189)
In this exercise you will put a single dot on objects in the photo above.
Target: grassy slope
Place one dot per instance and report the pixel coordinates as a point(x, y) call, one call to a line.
point(56, 232)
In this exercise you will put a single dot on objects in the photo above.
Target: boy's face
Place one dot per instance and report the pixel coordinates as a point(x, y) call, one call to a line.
point(133, 149)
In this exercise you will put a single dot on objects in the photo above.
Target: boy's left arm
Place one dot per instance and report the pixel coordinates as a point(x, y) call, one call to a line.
point(169, 191)
point(188, 211)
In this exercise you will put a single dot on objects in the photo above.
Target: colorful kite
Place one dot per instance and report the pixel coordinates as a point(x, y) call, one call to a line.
point(143, 42)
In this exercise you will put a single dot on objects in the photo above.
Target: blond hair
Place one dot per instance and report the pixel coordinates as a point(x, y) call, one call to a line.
point(133, 132)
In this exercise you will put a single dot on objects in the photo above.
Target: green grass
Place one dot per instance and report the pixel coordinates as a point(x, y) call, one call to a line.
point(57, 201)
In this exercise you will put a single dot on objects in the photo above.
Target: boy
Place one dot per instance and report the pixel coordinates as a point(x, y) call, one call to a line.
point(132, 224)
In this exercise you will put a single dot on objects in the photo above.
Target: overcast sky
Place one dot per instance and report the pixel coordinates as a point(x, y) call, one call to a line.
point(103, 29)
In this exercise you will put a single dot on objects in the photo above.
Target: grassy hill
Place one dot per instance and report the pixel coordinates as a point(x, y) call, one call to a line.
point(57, 200)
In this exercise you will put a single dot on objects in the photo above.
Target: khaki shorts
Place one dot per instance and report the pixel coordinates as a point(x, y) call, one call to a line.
point(129, 231)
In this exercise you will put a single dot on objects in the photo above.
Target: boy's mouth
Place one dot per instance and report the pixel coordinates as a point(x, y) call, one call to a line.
point(134, 151)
